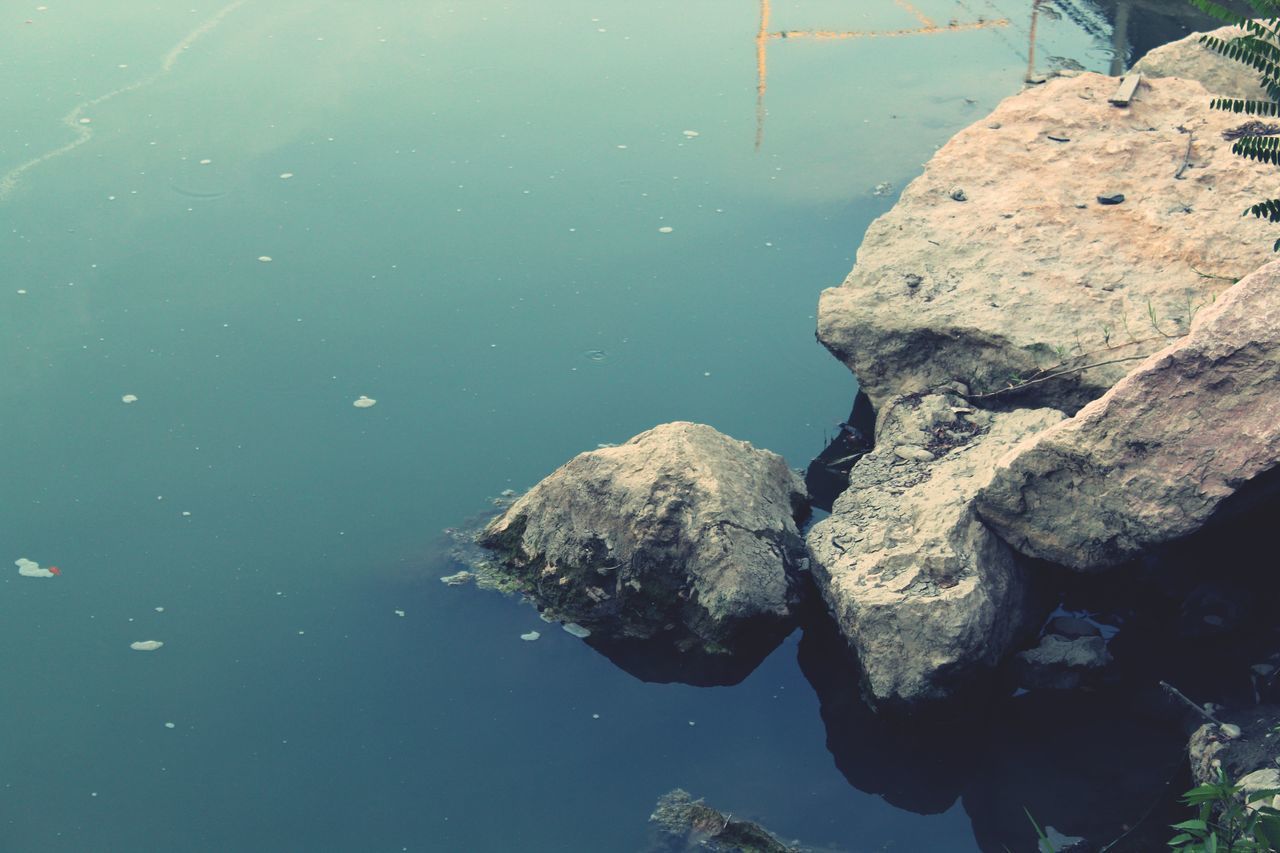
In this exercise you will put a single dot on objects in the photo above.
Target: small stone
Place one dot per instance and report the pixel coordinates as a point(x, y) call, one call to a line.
point(1118, 198)
point(1230, 731)
point(957, 194)
point(913, 453)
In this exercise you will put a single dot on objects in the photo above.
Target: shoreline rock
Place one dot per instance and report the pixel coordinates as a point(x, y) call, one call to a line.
point(681, 534)
point(927, 597)
point(1031, 276)
point(1161, 453)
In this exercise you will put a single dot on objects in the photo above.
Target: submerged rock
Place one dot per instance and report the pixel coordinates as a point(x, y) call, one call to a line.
point(924, 593)
point(684, 823)
point(681, 533)
point(1031, 283)
point(1156, 457)
point(1062, 663)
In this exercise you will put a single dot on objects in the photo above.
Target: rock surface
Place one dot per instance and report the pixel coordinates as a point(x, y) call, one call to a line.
point(681, 532)
point(1062, 663)
point(1252, 754)
point(1031, 275)
point(684, 823)
point(1189, 59)
point(923, 592)
point(1153, 459)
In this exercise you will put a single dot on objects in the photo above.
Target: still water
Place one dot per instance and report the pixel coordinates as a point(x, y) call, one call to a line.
point(523, 229)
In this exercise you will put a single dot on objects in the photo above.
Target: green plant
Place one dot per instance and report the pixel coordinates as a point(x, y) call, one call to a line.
point(1226, 822)
point(1259, 48)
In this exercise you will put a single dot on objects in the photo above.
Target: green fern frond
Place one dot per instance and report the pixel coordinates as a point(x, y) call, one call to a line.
point(1253, 108)
point(1268, 210)
point(1264, 149)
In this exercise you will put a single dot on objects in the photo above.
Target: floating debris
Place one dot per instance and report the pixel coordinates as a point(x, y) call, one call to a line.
point(129, 398)
point(457, 579)
point(665, 229)
point(159, 609)
point(170, 725)
point(363, 402)
point(530, 637)
point(595, 355)
point(146, 645)
point(399, 613)
point(691, 133)
point(31, 569)
point(266, 259)
point(22, 292)
point(284, 176)
point(205, 162)
point(576, 630)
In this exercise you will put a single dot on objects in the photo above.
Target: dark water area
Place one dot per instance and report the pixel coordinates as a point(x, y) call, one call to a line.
point(522, 230)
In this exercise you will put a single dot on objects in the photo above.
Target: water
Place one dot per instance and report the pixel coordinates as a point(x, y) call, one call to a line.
point(472, 235)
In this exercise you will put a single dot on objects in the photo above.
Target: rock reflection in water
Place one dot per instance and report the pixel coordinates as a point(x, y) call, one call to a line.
point(1089, 764)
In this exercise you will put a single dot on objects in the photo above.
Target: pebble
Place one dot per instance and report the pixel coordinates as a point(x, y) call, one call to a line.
point(957, 194)
point(1118, 198)
point(1230, 731)
point(913, 453)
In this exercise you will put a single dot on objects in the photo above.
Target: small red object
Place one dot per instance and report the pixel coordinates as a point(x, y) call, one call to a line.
point(55, 570)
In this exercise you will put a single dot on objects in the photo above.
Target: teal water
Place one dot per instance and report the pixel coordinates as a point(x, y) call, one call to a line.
point(471, 236)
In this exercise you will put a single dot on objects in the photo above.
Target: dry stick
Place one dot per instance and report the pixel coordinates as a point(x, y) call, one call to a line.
point(1211, 275)
point(1186, 158)
point(1066, 372)
point(1199, 710)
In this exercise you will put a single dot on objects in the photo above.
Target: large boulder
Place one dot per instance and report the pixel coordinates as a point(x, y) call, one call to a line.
point(1000, 265)
point(681, 533)
point(926, 595)
point(1189, 59)
point(1162, 451)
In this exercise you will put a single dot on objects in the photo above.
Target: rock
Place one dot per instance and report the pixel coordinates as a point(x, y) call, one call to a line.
point(1153, 459)
point(923, 592)
point(681, 532)
point(1059, 663)
point(1030, 277)
point(1189, 59)
point(684, 823)
point(1253, 753)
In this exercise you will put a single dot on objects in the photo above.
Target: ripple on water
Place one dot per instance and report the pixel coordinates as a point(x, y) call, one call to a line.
point(595, 355)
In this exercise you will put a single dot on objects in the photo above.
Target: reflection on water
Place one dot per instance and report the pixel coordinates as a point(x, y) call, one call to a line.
point(764, 35)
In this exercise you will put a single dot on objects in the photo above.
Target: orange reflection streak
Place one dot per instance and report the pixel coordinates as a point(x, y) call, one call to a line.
point(919, 16)
point(928, 28)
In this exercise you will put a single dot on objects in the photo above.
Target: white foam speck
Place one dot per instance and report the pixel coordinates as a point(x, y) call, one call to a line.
point(129, 398)
point(146, 645)
point(665, 229)
point(266, 259)
point(284, 176)
point(170, 725)
point(363, 402)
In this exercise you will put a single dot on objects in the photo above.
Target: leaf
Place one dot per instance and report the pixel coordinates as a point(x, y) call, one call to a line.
point(1191, 824)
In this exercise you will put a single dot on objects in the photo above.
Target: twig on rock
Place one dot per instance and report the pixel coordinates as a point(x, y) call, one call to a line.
point(1197, 708)
point(1186, 158)
point(1067, 372)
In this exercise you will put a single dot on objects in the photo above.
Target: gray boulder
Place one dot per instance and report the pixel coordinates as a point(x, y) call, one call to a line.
point(923, 592)
point(1189, 59)
point(1162, 451)
point(1031, 281)
point(1062, 663)
point(681, 533)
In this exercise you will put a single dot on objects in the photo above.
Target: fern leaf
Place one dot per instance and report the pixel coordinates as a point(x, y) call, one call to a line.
point(1215, 11)
point(1253, 108)
point(1264, 149)
point(1268, 210)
